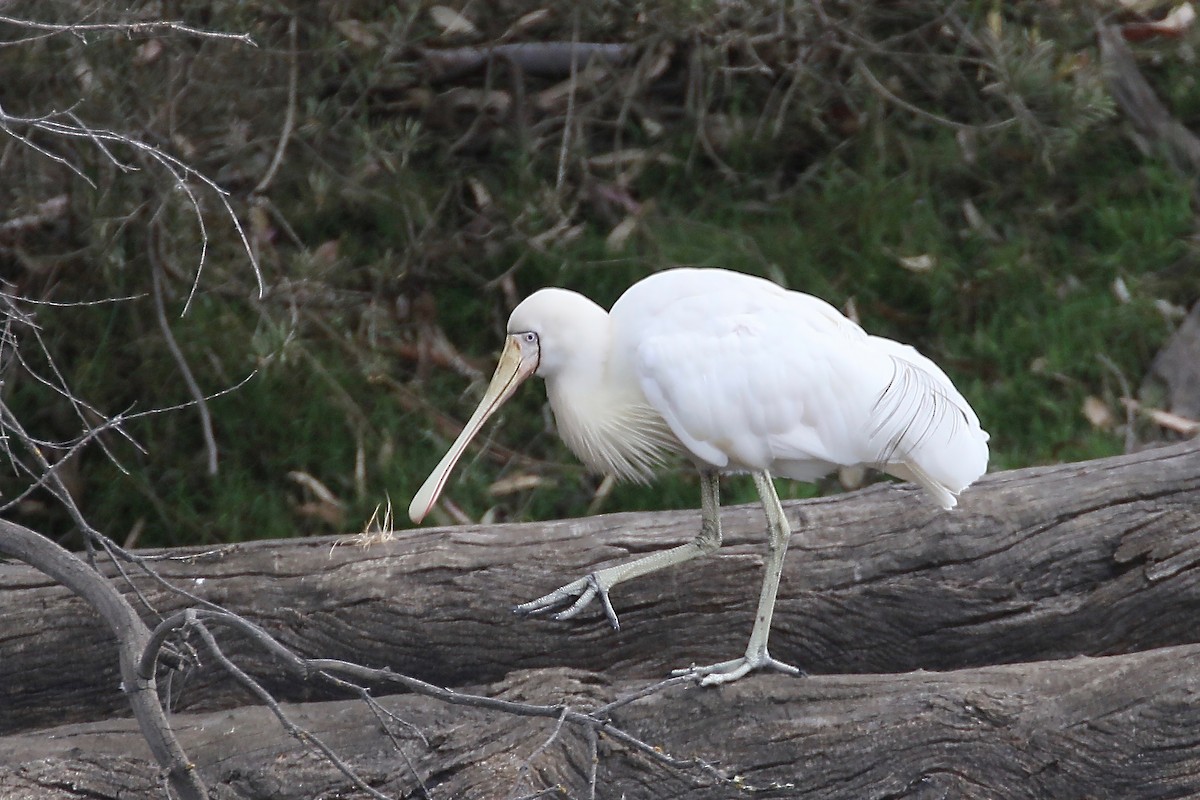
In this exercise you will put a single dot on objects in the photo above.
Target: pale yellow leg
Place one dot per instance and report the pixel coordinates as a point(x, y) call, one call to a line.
point(581, 592)
point(757, 657)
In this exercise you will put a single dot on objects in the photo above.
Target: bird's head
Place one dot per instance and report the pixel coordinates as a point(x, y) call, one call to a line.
point(547, 332)
point(553, 328)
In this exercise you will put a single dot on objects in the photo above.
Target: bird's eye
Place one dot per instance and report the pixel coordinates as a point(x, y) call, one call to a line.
point(530, 337)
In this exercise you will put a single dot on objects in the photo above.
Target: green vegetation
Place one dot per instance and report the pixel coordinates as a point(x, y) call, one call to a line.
point(398, 214)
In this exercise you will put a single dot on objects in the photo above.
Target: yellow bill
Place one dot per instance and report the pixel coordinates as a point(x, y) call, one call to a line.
point(510, 373)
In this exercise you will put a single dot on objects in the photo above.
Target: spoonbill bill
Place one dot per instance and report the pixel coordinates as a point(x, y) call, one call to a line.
point(736, 374)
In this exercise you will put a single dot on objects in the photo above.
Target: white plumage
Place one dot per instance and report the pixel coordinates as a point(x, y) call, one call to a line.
point(750, 376)
point(740, 375)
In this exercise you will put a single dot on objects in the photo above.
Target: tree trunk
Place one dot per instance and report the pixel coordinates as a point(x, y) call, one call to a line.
point(1121, 726)
point(1035, 567)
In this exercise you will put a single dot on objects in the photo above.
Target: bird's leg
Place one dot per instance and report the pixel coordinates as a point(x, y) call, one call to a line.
point(757, 657)
point(578, 594)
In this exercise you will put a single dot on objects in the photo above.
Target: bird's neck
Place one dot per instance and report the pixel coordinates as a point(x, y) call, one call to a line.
point(607, 422)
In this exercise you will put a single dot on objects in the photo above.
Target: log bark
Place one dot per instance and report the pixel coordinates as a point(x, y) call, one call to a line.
point(1048, 563)
point(1120, 726)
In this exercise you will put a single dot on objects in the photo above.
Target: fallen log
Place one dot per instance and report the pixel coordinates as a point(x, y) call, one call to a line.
point(1120, 726)
point(1047, 563)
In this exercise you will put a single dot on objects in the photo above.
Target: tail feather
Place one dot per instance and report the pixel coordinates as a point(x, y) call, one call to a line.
point(910, 471)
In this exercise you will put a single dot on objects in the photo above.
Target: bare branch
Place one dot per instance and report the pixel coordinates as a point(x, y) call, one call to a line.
point(179, 170)
point(206, 425)
point(300, 734)
point(289, 117)
point(132, 636)
point(148, 28)
point(327, 670)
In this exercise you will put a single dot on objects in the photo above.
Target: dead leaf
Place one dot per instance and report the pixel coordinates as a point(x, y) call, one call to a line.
point(319, 489)
point(556, 97)
point(562, 232)
point(662, 60)
point(602, 492)
point(922, 263)
point(1121, 290)
point(452, 22)
point(331, 515)
point(1174, 422)
point(515, 483)
point(618, 237)
point(531, 20)
point(1098, 413)
point(611, 194)
point(1170, 311)
point(480, 194)
point(850, 309)
point(652, 127)
point(261, 229)
point(326, 253)
point(852, 478)
point(148, 52)
point(977, 223)
point(995, 22)
point(1165, 419)
point(357, 32)
point(620, 158)
point(1173, 26)
point(462, 98)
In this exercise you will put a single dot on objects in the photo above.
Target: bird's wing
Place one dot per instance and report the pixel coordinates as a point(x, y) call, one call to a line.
point(784, 382)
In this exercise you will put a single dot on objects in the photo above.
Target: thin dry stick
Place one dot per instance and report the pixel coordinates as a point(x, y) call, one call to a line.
point(119, 555)
point(302, 735)
point(569, 120)
point(206, 423)
point(289, 117)
point(132, 638)
point(594, 756)
point(127, 28)
point(1126, 391)
point(326, 668)
point(384, 716)
point(915, 110)
point(178, 169)
point(523, 771)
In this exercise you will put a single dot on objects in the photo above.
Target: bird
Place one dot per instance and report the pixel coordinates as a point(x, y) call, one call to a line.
point(738, 375)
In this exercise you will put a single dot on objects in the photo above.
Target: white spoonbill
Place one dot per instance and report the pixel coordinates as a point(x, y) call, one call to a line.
point(739, 375)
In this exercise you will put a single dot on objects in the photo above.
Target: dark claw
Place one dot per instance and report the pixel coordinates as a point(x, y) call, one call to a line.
point(575, 596)
point(609, 611)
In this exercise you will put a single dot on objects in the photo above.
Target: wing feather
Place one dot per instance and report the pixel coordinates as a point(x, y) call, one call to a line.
point(750, 376)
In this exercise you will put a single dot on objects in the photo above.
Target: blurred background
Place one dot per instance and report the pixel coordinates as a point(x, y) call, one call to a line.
point(257, 257)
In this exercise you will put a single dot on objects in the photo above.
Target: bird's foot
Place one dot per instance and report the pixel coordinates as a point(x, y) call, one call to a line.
point(578, 594)
point(730, 671)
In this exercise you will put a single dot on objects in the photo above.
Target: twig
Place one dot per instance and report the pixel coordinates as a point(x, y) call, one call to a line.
point(206, 424)
point(46, 212)
point(302, 735)
point(917, 111)
point(383, 715)
point(654, 688)
point(132, 637)
point(523, 770)
point(1130, 412)
point(128, 28)
point(593, 739)
point(289, 117)
point(1137, 99)
point(569, 119)
point(328, 670)
point(177, 168)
